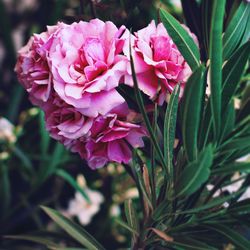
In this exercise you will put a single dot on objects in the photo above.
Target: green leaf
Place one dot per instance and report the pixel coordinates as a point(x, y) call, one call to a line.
point(246, 35)
point(228, 121)
point(191, 115)
point(215, 54)
point(23, 158)
point(192, 244)
point(216, 202)
point(235, 144)
point(206, 12)
point(126, 226)
point(74, 230)
point(232, 72)
point(232, 168)
point(196, 173)
point(67, 177)
point(240, 208)
point(235, 30)
point(237, 239)
point(36, 239)
point(5, 189)
point(139, 100)
point(51, 166)
point(131, 215)
point(189, 245)
point(182, 39)
point(169, 128)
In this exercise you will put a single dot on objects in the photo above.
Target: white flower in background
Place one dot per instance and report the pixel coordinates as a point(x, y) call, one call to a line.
point(83, 210)
point(6, 131)
point(176, 3)
point(80, 207)
point(245, 158)
point(115, 210)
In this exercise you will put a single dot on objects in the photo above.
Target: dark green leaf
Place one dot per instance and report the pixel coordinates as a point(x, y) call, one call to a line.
point(192, 244)
point(191, 116)
point(5, 189)
point(125, 225)
point(131, 215)
point(232, 72)
point(24, 159)
point(235, 30)
point(215, 55)
point(182, 39)
point(235, 144)
point(232, 235)
point(74, 230)
point(195, 173)
point(228, 121)
point(169, 128)
point(241, 207)
point(206, 12)
point(232, 168)
point(67, 177)
point(139, 100)
point(36, 239)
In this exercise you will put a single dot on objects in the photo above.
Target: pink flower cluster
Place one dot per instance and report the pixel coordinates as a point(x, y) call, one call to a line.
point(72, 71)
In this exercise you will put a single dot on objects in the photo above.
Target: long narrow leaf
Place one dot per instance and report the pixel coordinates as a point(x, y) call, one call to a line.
point(232, 72)
point(195, 173)
point(67, 177)
point(232, 168)
point(192, 101)
point(36, 239)
point(232, 235)
point(182, 39)
point(169, 128)
point(215, 55)
point(74, 230)
point(131, 215)
point(125, 225)
point(235, 30)
point(145, 116)
point(206, 12)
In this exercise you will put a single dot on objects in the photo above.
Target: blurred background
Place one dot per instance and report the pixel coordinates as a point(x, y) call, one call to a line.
point(34, 169)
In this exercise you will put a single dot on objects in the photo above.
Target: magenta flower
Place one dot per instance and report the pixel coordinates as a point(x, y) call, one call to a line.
point(110, 138)
point(32, 66)
point(87, 64)
point(158, 63)
point(64, 122)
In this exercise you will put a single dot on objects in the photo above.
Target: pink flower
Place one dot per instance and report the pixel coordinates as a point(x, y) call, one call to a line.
point(32, 66)
point(110, 138)
point(158, 63)
point(87, 64)
point(64, 122)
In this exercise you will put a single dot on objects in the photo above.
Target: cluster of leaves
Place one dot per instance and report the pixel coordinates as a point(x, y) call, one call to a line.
point(175, 209)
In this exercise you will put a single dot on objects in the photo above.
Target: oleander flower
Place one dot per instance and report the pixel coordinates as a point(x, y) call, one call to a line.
point(87, 64)
point(109, 140)
point(7, 131)
point(64, 122)
point(83, 209)
point(32, 65)
point(159, 65)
